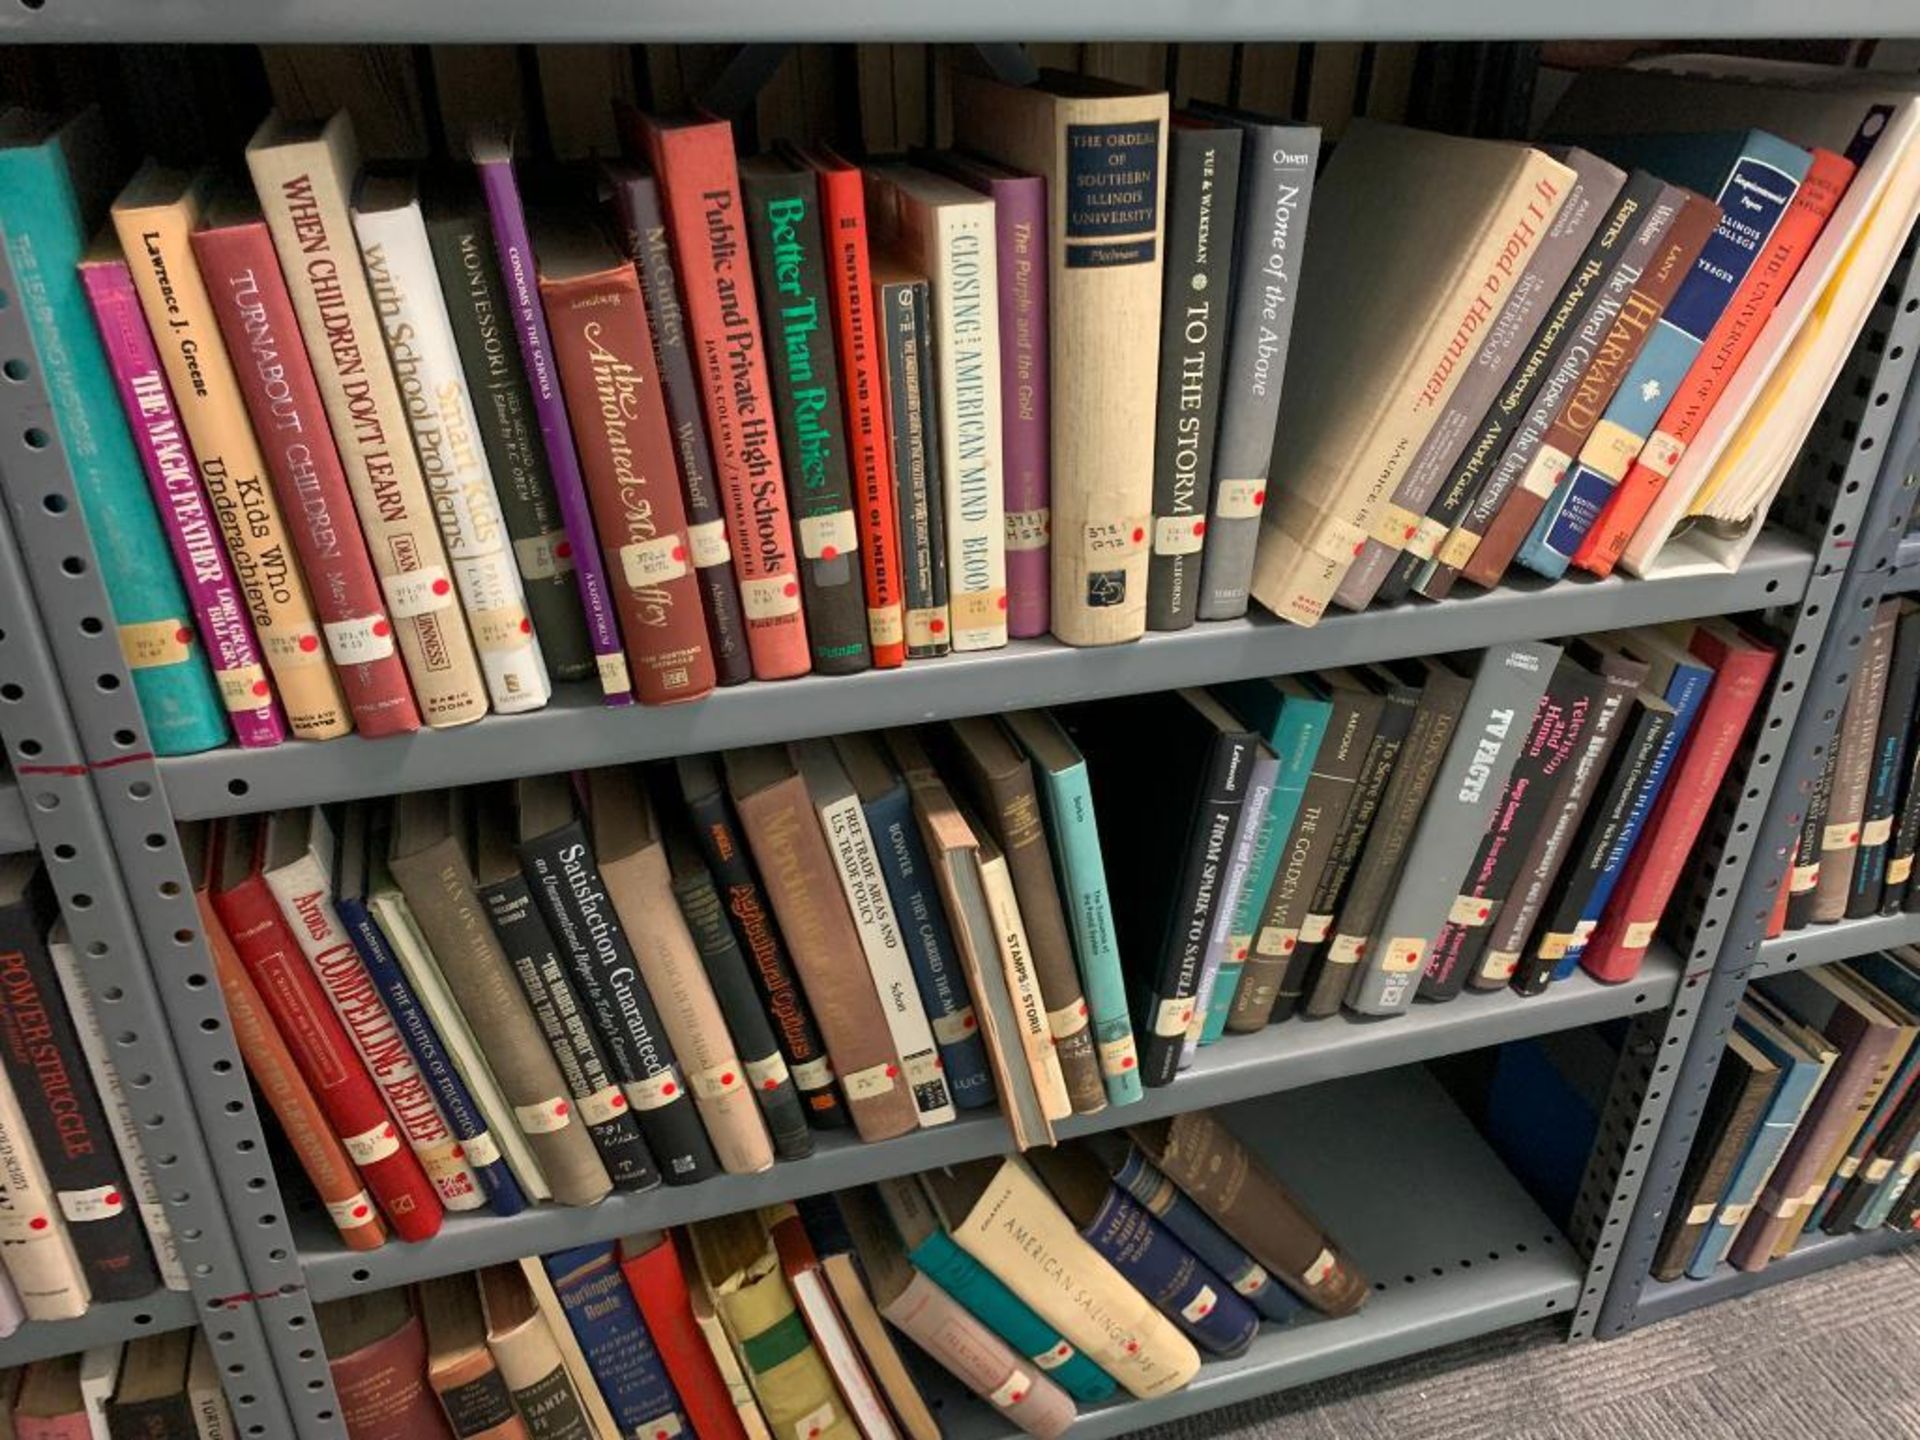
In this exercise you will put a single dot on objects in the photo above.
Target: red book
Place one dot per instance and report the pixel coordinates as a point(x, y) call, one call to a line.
point(849, 277)
point(700, 187)
point(603, 351)
point(1726, 346)
point(377, 1351)
point(250, 300)
point(313, 1033)
point(1741, 668)
point(652, 1268)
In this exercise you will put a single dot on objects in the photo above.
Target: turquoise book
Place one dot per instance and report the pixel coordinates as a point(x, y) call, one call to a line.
point(55, 182)
point(1290, 718)
point(1754, 177)
point(1067, 802)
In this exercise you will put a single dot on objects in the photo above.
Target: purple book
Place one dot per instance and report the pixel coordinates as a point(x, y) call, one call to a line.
point(1020, 225)
point(494, 159)
point(173, 476)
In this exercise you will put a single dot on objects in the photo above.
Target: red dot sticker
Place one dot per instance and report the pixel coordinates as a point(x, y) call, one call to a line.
point(669, 1088)
point(1286, 946)
point(968, 1023)
point(937, 626)
point(1133, 1347)
point(563, 550)
point(892, 1071)
point(39, 1222)
point(660, 1435)
point(1016, 1397)
point(1241, 953)
point(790, 589)
point(679, 552)
point(1358, 546)
point(1083, 1007)
point(309, 644)
point(1407, 534)
point(938, 1063)
point(113, 1199)
point(1001, 603)
point(560, 1107)
point(261, 688)
point(1199, 527)
point(619, 1102)
point(459, 1152)
point(1259, 497)
point(829, 552)
point(359, 1212)
point(382, 629)
point(386, 1132)
point(1126, 1062)
point(1138, 534)
point(1484, 912)
point(526, 626)
point(726, 1078)
point(441, 587)
point(771, 1083)
point(183, 636)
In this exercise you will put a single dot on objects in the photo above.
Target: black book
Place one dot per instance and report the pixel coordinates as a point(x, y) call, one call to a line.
point(1803, 874)
point(48, 1070)
point(790, 277)
point(913, 435)
point(1906, 827)
point(636, 200)
point(1480, 457)
point(598, 1097)
point(461, 238)
point(1632, 759)
point(1203, 177)
point(717, 832)
point(1172, 769)
point(1889, 760)
point(1736, 1106)
point(559, 864)
point(1559, 724)
point(731, 976)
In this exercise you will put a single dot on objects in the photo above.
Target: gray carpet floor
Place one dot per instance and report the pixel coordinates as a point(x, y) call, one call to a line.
point(1834, 1355)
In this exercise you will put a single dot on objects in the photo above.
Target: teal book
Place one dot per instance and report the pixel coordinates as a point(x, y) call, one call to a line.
point(1067, 800)
point(1754, 177)
point(1290, 718)
point(56, 182)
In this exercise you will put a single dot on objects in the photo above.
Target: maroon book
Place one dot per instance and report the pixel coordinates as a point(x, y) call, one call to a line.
point(377, 1351)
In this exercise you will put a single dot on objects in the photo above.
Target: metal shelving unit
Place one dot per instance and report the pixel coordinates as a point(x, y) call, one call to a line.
point(16, 829)
point(1822, 944)
point(105, 1323)
point(1664, 1299)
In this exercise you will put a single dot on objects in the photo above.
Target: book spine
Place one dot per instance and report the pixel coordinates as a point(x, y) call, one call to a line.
point(173, 477)
point(1853, 770)
point(302, 193)
point(41, 1054)
point(638, 200)
point(277, 1074)
point(476, 1401)
point(965, 373)
point(518, 275)
point(476, 303)
point(1023, 989)
point(849, 277)
point(175, 686)
point(793, 1385)
point(908, 873)
point(1026, 414)
point(255, 312)
point(913, 434)
point(1276, 191)
point(201, 376)
point(604, 1319)
point(382, 1387)
point(1203, 169)
point(47, 1274)
point(328, 1060)
point(978, 1359)
point(1906, 834)
point(310, 914)
point(1294, 737)
point(439, 410)
point(1791, 1097)
point(1182, 1288)
point(119, 1113)
point(700, 185)
point(1595, 185)
point(1801, 883)
point(1222, 965)
point(659, 1289)
point(759, 936)
point(1889, 755)
point(733, 989)
point(573, 897)
point(1734, 1108)
point(456, 1103)
point(603, 352)
point(597, 1098)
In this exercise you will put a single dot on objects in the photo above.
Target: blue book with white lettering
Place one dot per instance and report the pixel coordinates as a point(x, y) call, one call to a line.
point(1754, 177)
point(55, 185)
point(605, 1319)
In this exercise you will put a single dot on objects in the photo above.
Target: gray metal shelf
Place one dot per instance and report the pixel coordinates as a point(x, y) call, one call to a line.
point(1282, 1058)
point(390, 21)
point(1823, 944)
point(1454, 1246)
point(577, 731)
point(16, 830)
point(1664, 1299)
point(1906, 562)
point(103, 1324)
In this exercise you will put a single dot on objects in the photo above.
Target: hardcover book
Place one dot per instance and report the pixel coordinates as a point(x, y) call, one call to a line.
point(836, 1346)
point(530, 1362)
point(149, 1400)
point(1009, 933)
point(651, 1264)
point(1743, 1087)
point(1251, 835)
point(903, 302)
point(377, 1351)
point(1890, 746)
point(619, 1352)
point(1853, 751)
point(461, 1369)
point(42, 1265)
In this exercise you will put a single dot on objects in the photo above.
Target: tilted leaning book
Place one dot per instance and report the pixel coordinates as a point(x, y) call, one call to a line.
point(651, 1263)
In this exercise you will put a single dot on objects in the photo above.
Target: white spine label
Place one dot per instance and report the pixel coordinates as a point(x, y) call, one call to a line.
point(418, 592)
point(545, 1117)
point(371, 1145)
point(359, 640)
point(708, 542)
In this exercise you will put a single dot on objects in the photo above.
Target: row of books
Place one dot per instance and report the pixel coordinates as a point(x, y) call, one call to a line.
point(1813, 1122)
point(80, 1214)
point(1040, 1285)
point(550, 990)
point(158, 1387)
point(1861, 826)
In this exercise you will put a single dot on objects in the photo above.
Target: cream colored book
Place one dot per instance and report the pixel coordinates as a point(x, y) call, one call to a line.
point(586, 1388)
point(700, 1301)
point(154, 218)
point(1102, 149)
point(633, 865)
point(528, 1356)
point(212, 1420)
point(304, 173)
point(1406, 227)
point(34, 1244)
point(99, 1369)
point(999, 1213)
point(1023, 984)
point(446, 435)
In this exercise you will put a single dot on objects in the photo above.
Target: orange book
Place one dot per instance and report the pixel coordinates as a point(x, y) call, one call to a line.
point(1719, 358)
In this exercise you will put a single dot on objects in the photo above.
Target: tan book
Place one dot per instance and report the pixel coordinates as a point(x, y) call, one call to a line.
point(1102, 148)
point(633, 864)
point(1406, 226)
point(528, 1357)
point(707, 1319)
point(429, 858)
point(154, 218)
point(304, 173)
point(1023, 983)
point(804, 890)
point(212, 1418)
point(586, 1387)
point(461, 1369)
point(999, 1213)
